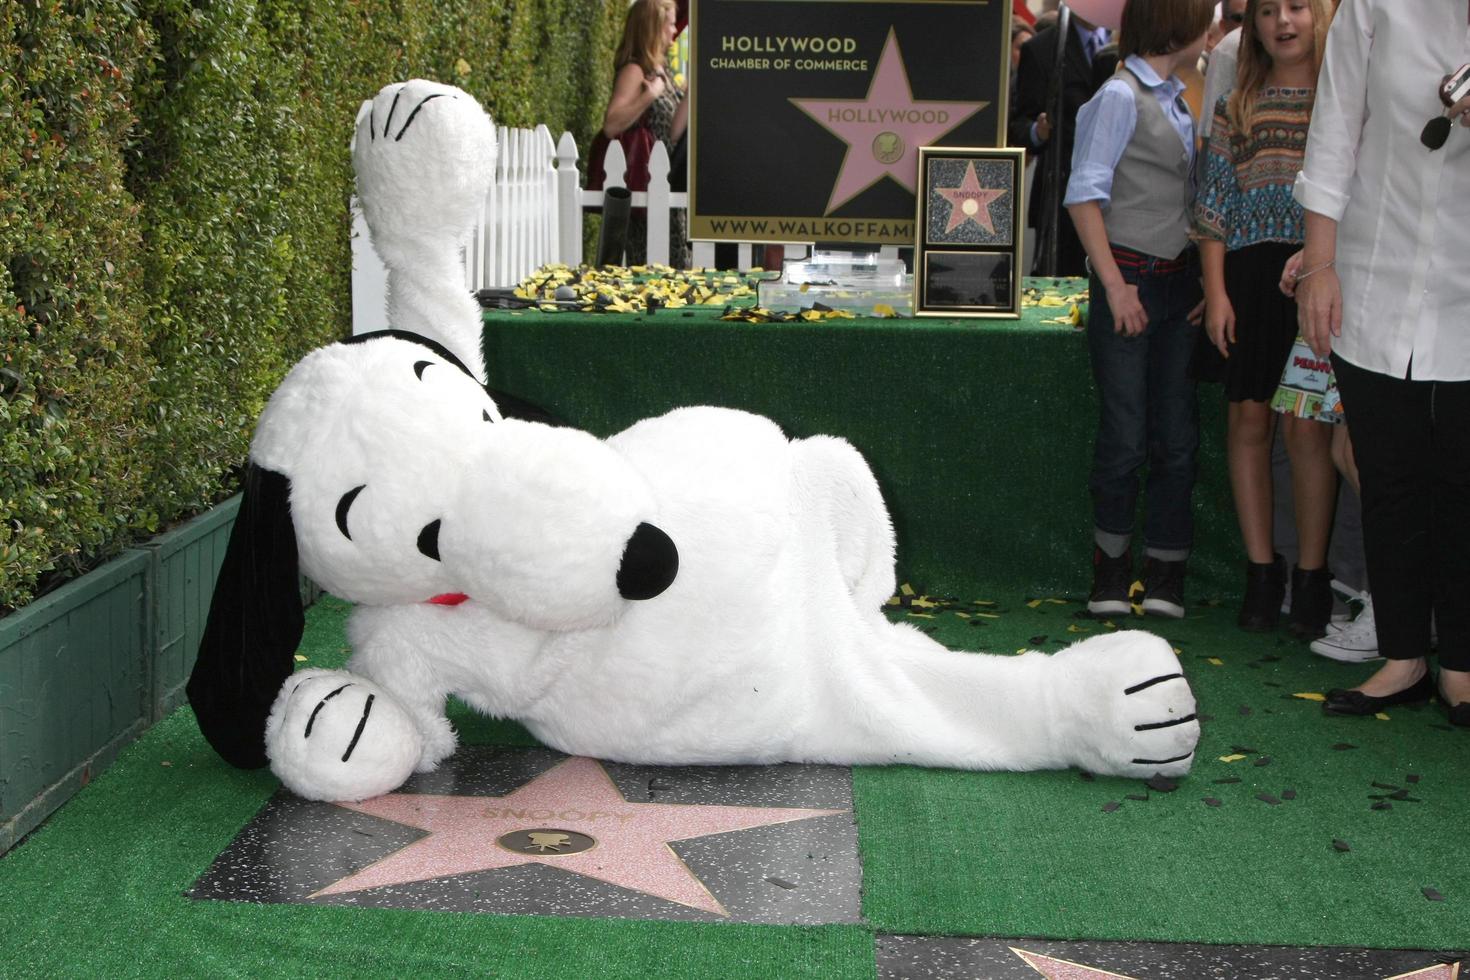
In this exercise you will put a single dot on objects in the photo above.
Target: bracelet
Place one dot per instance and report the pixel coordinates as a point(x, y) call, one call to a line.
point(1312, 272)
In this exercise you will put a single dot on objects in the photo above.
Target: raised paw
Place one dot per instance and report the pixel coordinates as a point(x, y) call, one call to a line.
point(332, 735)
point(1133, 713)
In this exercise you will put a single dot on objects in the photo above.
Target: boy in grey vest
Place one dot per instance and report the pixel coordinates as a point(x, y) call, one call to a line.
point(1129, 196)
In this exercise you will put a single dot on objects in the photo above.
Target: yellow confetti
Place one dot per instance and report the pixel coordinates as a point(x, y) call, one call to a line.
point(1218, 662)
point(1232, 758)
point(1051, 301)
point(1074, 628)
point(924, 603)
point(1034, 603)
point(884, 310)
point(906, 589)
point(1178, 652)
point(983, 602)
point(963, 615)
point(988, 615)
point(300, 659)
point(1057, 602)
point(921, 615)
point(1310, 696)
point(1381, 716)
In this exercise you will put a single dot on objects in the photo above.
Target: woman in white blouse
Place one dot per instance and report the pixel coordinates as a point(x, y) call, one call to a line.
point(1384, 286)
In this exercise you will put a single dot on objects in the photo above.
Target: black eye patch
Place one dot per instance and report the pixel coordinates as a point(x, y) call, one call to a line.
point(429, 540)
point(343, 506)
point(418, 368)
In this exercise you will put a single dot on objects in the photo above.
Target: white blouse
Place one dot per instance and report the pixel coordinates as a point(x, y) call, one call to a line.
point(1403, 238)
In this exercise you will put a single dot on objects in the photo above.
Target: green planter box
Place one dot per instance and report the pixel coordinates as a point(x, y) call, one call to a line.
point(85, 670)
point(186, 562)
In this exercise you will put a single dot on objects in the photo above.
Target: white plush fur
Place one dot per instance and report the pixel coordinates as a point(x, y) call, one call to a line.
point(425, 156)
point(769, 645)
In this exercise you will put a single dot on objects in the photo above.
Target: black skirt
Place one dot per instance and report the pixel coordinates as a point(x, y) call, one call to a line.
point(1265, 325)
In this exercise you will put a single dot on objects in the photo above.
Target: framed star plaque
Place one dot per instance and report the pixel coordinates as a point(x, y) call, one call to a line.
point(967, 257)
point(807, 115)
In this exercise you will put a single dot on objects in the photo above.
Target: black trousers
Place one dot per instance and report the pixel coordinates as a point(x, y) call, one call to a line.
point(1412, 443)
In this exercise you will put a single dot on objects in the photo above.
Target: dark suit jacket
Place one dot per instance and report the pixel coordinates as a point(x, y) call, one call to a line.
point(1033, 85)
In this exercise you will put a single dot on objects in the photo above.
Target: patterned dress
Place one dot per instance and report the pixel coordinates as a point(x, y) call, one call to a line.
point(661, 119)
point(1245, 202)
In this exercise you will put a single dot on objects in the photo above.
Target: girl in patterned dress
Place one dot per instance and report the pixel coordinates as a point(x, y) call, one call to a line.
point(645, 94)
point(1248, 227)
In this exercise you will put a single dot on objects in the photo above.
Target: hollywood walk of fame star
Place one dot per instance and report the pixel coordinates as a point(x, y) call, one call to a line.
point(970, 201)
point(884, 129)
point(632, 839)
point(1055, 969)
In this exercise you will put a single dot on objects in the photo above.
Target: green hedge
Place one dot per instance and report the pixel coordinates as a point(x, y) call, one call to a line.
point(174, 228)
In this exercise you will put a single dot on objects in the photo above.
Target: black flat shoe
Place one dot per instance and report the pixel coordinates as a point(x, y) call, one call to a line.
point(1459, 713)
point(1340, 702)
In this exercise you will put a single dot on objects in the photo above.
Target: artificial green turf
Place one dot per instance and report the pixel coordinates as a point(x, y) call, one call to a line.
point(1036, 855)
point(98, 890)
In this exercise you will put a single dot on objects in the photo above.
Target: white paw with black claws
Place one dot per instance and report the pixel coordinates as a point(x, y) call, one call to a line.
point(1131, 712)
point(334, 736)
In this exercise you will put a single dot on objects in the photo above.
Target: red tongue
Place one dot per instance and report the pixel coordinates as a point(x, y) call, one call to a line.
point(449, 599)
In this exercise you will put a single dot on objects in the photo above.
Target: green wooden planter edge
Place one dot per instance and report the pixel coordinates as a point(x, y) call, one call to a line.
point(144, 563)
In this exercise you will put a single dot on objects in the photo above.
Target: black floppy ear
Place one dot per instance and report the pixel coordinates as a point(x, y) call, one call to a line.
point(255, 624)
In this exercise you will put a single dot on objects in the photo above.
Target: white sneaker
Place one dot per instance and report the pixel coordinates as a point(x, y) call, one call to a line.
point(1355, 642)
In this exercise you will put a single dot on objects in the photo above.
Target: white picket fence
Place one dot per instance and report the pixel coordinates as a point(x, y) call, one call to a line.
point(532, 216)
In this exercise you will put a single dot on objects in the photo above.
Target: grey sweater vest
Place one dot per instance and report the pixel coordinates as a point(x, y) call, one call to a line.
point(1152, 193)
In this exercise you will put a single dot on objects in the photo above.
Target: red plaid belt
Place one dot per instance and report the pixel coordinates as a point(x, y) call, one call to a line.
point(1148, 265)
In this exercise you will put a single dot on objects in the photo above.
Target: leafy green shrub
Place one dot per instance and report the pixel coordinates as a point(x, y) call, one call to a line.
point(175, 233)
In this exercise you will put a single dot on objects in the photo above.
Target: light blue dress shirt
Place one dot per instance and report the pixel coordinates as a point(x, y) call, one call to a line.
point(1105, 126)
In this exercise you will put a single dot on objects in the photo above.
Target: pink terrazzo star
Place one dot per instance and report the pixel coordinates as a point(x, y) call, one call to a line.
point(1054, 969)
point(970, 202)
point(884, 130)
point(576, 795)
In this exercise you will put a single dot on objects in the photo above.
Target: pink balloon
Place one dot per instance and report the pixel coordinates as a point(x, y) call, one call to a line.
point(1103, 13)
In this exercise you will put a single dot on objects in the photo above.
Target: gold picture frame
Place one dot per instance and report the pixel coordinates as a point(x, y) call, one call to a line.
point(968, 231)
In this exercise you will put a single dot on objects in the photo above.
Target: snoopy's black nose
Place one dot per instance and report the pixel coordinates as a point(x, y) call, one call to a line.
point(650, 562)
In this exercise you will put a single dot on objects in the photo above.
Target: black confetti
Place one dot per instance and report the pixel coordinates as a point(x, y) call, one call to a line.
point(1204, 718)
point(1412, 777)
point(1037, 640)
point(1085, 776)
point(1268, 798)
point(1381, 805)
point(1340, 845)
point(1288, 794)
point(1343, 746)
point(1378, 785)
point(1161, 784)
point(781, 883)
point(1399, 794)
point(1244, 749)
point(1228, 779)
point(1211, 801)
point(1244, 710)
point(1110, 806)
point(1432, 895)
point(1140, 797)
point(1264, 760)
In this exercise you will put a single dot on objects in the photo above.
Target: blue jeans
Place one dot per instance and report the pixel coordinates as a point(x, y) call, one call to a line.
point(1147, 408)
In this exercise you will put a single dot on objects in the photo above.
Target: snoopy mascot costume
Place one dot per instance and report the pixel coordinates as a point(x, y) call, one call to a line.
point(697, 589)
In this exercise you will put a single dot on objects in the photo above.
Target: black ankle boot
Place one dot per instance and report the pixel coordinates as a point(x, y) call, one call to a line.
point(1265, 586)
point(1311, 602)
